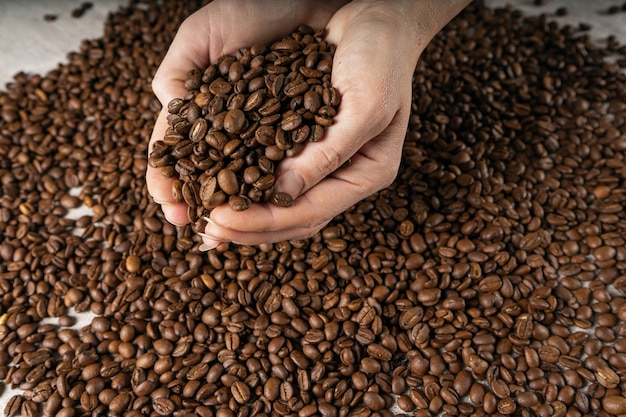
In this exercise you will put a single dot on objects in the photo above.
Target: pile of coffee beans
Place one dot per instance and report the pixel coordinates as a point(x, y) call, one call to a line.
point(242, 116)
point(489, 279)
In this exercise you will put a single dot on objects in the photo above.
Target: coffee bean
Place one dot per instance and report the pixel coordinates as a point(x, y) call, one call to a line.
point(379, 352)
point(241, 392)
point(614, 404)
point(506, 406)
point(282, 199)
point(28, 408)
point(291, 121)
point(606, 377)
point(163, 406)
point(238, 203)
point(234, 121)
point(227, 181)
point(13, 406)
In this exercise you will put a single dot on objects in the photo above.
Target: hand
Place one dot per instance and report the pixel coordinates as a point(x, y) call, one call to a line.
point(378, 44)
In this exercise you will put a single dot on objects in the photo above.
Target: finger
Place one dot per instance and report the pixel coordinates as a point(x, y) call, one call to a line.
point(175, 213)
point(219, 234)
point(160, 187)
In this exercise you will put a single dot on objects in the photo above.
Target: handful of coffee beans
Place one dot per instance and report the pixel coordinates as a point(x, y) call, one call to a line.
point(242, 116)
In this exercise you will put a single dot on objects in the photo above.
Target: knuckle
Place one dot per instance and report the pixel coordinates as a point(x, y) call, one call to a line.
point(332, 159)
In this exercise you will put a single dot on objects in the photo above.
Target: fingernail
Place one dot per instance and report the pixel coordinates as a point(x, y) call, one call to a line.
point(211, 222)
point(205, 248)
point(211, 226)
point(291, 183)
point(162, 203)
point(207, 236)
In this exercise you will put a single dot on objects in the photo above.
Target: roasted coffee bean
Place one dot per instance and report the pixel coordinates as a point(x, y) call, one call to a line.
point(238, 202)
point(227, 181)
point(282, 199)
point(291, 121)
point(198, 130)
point(234, 121)
point(241, 392)
point(190, 194)
point(331, 97)
point(28, 408)
point(614, 404)
point(13, 406)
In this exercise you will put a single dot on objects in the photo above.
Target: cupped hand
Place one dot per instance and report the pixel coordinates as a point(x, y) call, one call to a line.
point(378, 44)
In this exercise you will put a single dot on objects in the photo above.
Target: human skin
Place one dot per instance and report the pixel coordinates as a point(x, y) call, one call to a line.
point(378, 46)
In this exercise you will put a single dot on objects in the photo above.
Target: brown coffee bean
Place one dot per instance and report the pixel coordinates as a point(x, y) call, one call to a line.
point(462, 383)
point(606, 377)
point(234, 121)
point(282, 199)
point(28, 408)
point(411, 317)
point(190, 192)
point(506, 406)
point(331, 97)
point(241, 392)
point(198, 130)
point(238, 203)
point(312, 101)
point(379, 352)
point(227, 181)
point(614, 404)
point(163, 406)
point(524, 326)
point(295, 88)
point(290, 122)
point(270, 107)
point(373, 401)
point(120, 402)
point(13, 406)
point(549, 353)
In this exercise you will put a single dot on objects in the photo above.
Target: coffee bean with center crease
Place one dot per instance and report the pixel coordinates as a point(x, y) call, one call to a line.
point(28, 408)
point(13, 406)
point(241, 392)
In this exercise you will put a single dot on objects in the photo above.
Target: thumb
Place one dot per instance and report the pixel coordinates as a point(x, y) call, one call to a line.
point(365, 111)
point(367, 77)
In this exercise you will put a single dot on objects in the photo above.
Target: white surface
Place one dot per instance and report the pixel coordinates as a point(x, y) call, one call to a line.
point(29, 43)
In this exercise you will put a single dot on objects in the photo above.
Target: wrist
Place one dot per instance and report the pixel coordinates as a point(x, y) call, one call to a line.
point(426, 18)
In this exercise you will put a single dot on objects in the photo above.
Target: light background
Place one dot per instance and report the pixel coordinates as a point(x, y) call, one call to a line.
point(30, 44)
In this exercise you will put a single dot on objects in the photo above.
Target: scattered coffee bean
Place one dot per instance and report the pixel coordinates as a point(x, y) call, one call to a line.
point(562, 11)
point(80, 11)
